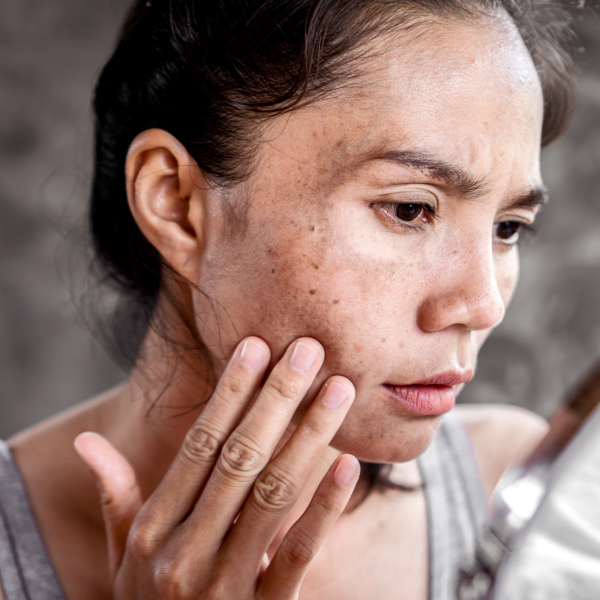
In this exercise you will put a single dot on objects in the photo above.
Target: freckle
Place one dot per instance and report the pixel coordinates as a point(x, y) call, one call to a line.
point(382, 340)
point(272, 270)
point(269, 250)
point(315, 266)
point(312, 228)
point(313, 292)
point(335, 302)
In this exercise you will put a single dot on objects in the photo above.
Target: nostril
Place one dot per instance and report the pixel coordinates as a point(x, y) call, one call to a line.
point(474, 312)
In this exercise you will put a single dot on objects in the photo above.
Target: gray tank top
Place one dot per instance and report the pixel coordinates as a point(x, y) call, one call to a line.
point(456, 511)
point(456, 505)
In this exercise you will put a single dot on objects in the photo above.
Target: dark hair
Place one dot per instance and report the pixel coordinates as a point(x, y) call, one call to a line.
point(210, 72)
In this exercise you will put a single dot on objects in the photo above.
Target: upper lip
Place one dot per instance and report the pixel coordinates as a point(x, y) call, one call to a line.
point(448, 378)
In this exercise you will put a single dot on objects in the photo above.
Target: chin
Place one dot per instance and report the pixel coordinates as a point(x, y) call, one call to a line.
point(385, 440)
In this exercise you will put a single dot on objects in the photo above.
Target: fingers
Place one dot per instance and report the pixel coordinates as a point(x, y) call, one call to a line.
point(251, 446)
point(279, 485)
point(284, 575)
point(120, 495)
point(181, 486)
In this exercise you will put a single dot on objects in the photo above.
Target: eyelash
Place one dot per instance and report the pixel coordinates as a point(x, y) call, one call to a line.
point(523, 229)
point(428, 211)
point(390, 209)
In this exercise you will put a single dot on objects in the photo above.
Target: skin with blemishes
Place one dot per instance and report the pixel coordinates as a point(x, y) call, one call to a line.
point(320, 253)
point(432, 294)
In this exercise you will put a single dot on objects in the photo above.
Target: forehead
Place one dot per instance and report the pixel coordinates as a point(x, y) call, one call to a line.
point(461, 91)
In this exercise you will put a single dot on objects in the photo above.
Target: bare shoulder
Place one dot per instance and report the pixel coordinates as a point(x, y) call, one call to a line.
point(45, 455)
point(501, 436)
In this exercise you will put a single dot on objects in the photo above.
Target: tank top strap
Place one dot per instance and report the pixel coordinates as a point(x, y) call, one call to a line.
point(25, 569)
point(456, 504)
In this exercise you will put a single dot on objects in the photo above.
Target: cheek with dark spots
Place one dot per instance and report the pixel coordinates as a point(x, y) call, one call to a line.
point(317, 284)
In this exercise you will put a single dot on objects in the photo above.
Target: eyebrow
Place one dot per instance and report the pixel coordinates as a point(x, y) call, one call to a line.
point(456, 178)
point(532, 198)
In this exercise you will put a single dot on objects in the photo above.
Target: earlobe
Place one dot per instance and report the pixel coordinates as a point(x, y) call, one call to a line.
point(165, 198)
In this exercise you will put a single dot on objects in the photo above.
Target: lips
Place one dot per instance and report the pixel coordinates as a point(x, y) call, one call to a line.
point(449, 378)
point(428, 397)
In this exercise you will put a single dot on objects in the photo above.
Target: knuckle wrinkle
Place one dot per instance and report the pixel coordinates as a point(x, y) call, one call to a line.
point(234, 387)
point(329, 507)
point(201, 446)
point(284, 388)
point(274, 491)
point(239, 457)
point(299, 550)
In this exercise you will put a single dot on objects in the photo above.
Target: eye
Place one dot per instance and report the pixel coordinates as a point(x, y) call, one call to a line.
point(508, 231)
point(409, 212)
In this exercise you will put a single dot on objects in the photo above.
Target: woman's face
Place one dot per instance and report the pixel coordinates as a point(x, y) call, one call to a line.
point(383, 223)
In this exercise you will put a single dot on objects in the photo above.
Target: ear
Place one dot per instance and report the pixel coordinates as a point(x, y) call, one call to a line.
point(167, 194)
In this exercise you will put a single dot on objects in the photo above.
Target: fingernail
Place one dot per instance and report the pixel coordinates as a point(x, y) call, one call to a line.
point(345, 471)
point(303, 357)
point(334, 395)
point(252, 355)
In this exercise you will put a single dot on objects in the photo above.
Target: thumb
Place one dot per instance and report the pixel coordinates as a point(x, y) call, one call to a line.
point(120, 495)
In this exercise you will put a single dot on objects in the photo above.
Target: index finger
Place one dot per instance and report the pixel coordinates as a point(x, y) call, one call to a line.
point(187, 476)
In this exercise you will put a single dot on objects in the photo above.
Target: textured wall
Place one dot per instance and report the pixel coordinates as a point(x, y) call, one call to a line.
point(50, 54)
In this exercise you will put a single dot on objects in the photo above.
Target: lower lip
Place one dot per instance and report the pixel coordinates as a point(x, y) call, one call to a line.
point(423, 400)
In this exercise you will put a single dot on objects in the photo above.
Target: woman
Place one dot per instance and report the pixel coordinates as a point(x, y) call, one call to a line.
point(313, 209)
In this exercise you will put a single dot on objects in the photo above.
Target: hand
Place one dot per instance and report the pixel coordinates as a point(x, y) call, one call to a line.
point(205, 530)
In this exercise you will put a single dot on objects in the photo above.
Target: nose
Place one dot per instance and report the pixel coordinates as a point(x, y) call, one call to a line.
point(465, 293)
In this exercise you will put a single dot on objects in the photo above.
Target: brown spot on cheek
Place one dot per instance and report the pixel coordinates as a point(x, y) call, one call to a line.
point(315, 266)
point(272, 270)
point(313, 292)
point(335, 302)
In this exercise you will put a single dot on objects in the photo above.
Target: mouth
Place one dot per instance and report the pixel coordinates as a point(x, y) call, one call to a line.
point(428, 397)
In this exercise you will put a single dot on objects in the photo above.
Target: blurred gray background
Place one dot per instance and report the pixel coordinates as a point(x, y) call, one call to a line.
point(51, 51)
